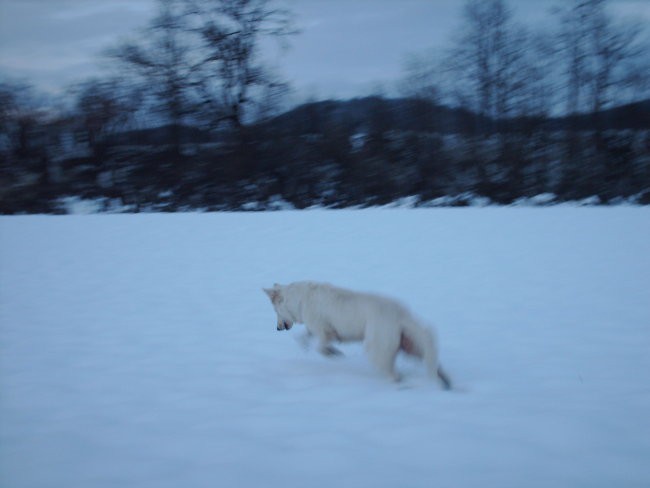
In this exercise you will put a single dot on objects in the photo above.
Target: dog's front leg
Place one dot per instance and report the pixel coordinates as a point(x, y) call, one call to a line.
point(305, 339)
point(329, 350)
point(325, 336)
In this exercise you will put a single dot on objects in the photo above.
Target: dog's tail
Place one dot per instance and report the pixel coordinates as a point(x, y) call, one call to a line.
point(427, 347)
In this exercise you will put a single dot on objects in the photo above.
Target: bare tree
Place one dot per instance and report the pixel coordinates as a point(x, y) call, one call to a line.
point(419, 79)
point(104, 108)
point(419, 86)
point(25, 182)
point(202, 59)
point(232, 77)
point(601, 59)
point(232, 82)
point(494, 75)
point(488, 57)
point(165, 57)
point(22, 113)
point(600, 54)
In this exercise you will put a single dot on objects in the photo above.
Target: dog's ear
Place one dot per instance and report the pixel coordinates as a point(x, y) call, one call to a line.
point(273, 294)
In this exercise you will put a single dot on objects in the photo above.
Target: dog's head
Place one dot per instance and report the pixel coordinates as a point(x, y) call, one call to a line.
point(276, 294)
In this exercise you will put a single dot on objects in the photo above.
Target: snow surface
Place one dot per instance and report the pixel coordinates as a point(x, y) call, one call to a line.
point(140, 351)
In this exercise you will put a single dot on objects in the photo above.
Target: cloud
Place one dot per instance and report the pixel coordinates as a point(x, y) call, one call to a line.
point(55, 42)
point(344, 44)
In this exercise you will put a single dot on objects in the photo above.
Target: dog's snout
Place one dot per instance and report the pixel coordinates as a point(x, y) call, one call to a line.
point(284, 325)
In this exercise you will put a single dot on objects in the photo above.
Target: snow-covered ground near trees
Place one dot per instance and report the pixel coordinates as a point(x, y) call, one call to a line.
point(139, 350)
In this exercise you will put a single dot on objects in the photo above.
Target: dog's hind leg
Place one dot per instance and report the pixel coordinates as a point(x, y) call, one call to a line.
point(382, 346)
point(444, 379)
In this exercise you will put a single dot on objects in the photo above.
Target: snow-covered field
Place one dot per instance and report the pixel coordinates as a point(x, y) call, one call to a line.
point(139, 350)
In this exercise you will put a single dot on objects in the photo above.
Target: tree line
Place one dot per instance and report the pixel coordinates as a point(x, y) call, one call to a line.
point(195, 119)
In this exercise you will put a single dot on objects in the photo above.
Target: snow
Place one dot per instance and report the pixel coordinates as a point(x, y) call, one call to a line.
point(139, 350)
point(537, 200)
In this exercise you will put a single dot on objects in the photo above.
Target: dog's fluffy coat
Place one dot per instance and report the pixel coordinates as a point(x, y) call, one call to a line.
point(334, 314)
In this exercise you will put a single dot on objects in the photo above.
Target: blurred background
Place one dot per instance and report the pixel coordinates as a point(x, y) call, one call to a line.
point(175, 105)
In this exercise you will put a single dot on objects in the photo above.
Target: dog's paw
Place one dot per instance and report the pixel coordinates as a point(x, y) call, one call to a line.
point(330, 351)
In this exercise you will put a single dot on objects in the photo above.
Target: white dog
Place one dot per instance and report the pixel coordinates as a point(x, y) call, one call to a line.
point(335, 314)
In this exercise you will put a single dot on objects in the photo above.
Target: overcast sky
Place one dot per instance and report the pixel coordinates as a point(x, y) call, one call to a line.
point(346, 47)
